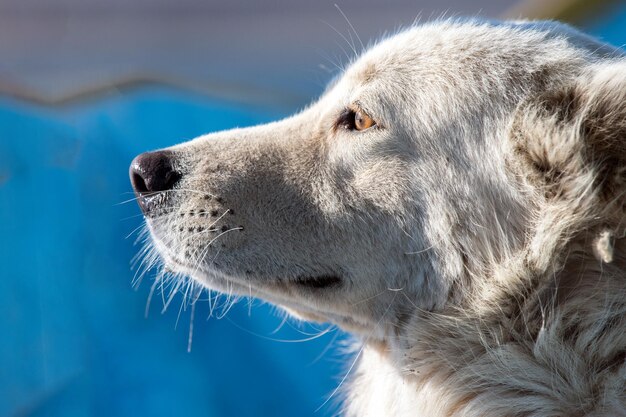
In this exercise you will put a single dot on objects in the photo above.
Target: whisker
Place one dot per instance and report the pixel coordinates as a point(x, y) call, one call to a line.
point(130, 200)
point(281, 324)
point(307, 339)
point(182, 302)
point(149, 300)
point(134, 216)
point(345, 39)
point(190, 337)
point(135, 230)
point(326, 348)
point(223, 233)
point(351, 27)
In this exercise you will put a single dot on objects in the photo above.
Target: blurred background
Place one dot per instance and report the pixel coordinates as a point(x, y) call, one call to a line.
point(85, 85)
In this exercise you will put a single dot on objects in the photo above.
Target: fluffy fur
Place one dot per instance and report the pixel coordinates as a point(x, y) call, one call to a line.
point(472, 239)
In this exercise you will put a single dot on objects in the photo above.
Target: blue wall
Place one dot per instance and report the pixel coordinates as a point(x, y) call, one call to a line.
point(75, 341)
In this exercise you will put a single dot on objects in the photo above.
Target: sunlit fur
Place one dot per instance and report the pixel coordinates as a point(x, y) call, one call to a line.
point(477, 227)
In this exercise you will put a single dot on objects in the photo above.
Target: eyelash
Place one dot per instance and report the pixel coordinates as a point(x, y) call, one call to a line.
point(346, 119)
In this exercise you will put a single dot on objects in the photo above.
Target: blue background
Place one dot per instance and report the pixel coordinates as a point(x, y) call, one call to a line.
point(74, 338)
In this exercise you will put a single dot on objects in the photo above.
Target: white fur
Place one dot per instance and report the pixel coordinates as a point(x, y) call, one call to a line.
point(476, 230)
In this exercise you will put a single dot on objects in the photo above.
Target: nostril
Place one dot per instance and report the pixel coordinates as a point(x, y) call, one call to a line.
point(138, 183)
point(152, 172)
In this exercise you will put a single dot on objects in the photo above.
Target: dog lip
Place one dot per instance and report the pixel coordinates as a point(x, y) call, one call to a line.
point(151, 200)
point(319, 282)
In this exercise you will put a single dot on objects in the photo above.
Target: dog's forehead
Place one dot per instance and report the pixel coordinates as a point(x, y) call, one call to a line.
point(394, 65)
point(460, 58)
point(424, 49)
point(363, 71)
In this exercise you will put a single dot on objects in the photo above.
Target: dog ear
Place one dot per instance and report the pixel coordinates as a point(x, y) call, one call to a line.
point(576, 133)
point(569, 148)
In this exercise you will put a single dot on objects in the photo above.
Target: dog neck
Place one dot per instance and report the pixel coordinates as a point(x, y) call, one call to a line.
point(567, 325)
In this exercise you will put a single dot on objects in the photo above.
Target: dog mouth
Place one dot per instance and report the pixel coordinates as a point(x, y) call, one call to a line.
point(318, 282)
point(311, 282)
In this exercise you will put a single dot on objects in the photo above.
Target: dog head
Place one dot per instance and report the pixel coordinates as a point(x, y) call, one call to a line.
point(387, 194)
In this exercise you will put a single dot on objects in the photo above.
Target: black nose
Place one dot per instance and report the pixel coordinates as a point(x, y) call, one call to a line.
point(152, 173)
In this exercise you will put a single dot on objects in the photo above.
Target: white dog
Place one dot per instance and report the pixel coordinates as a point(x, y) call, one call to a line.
point(455, 200)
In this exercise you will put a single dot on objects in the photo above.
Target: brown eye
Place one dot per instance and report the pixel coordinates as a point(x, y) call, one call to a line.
point(362, 120)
